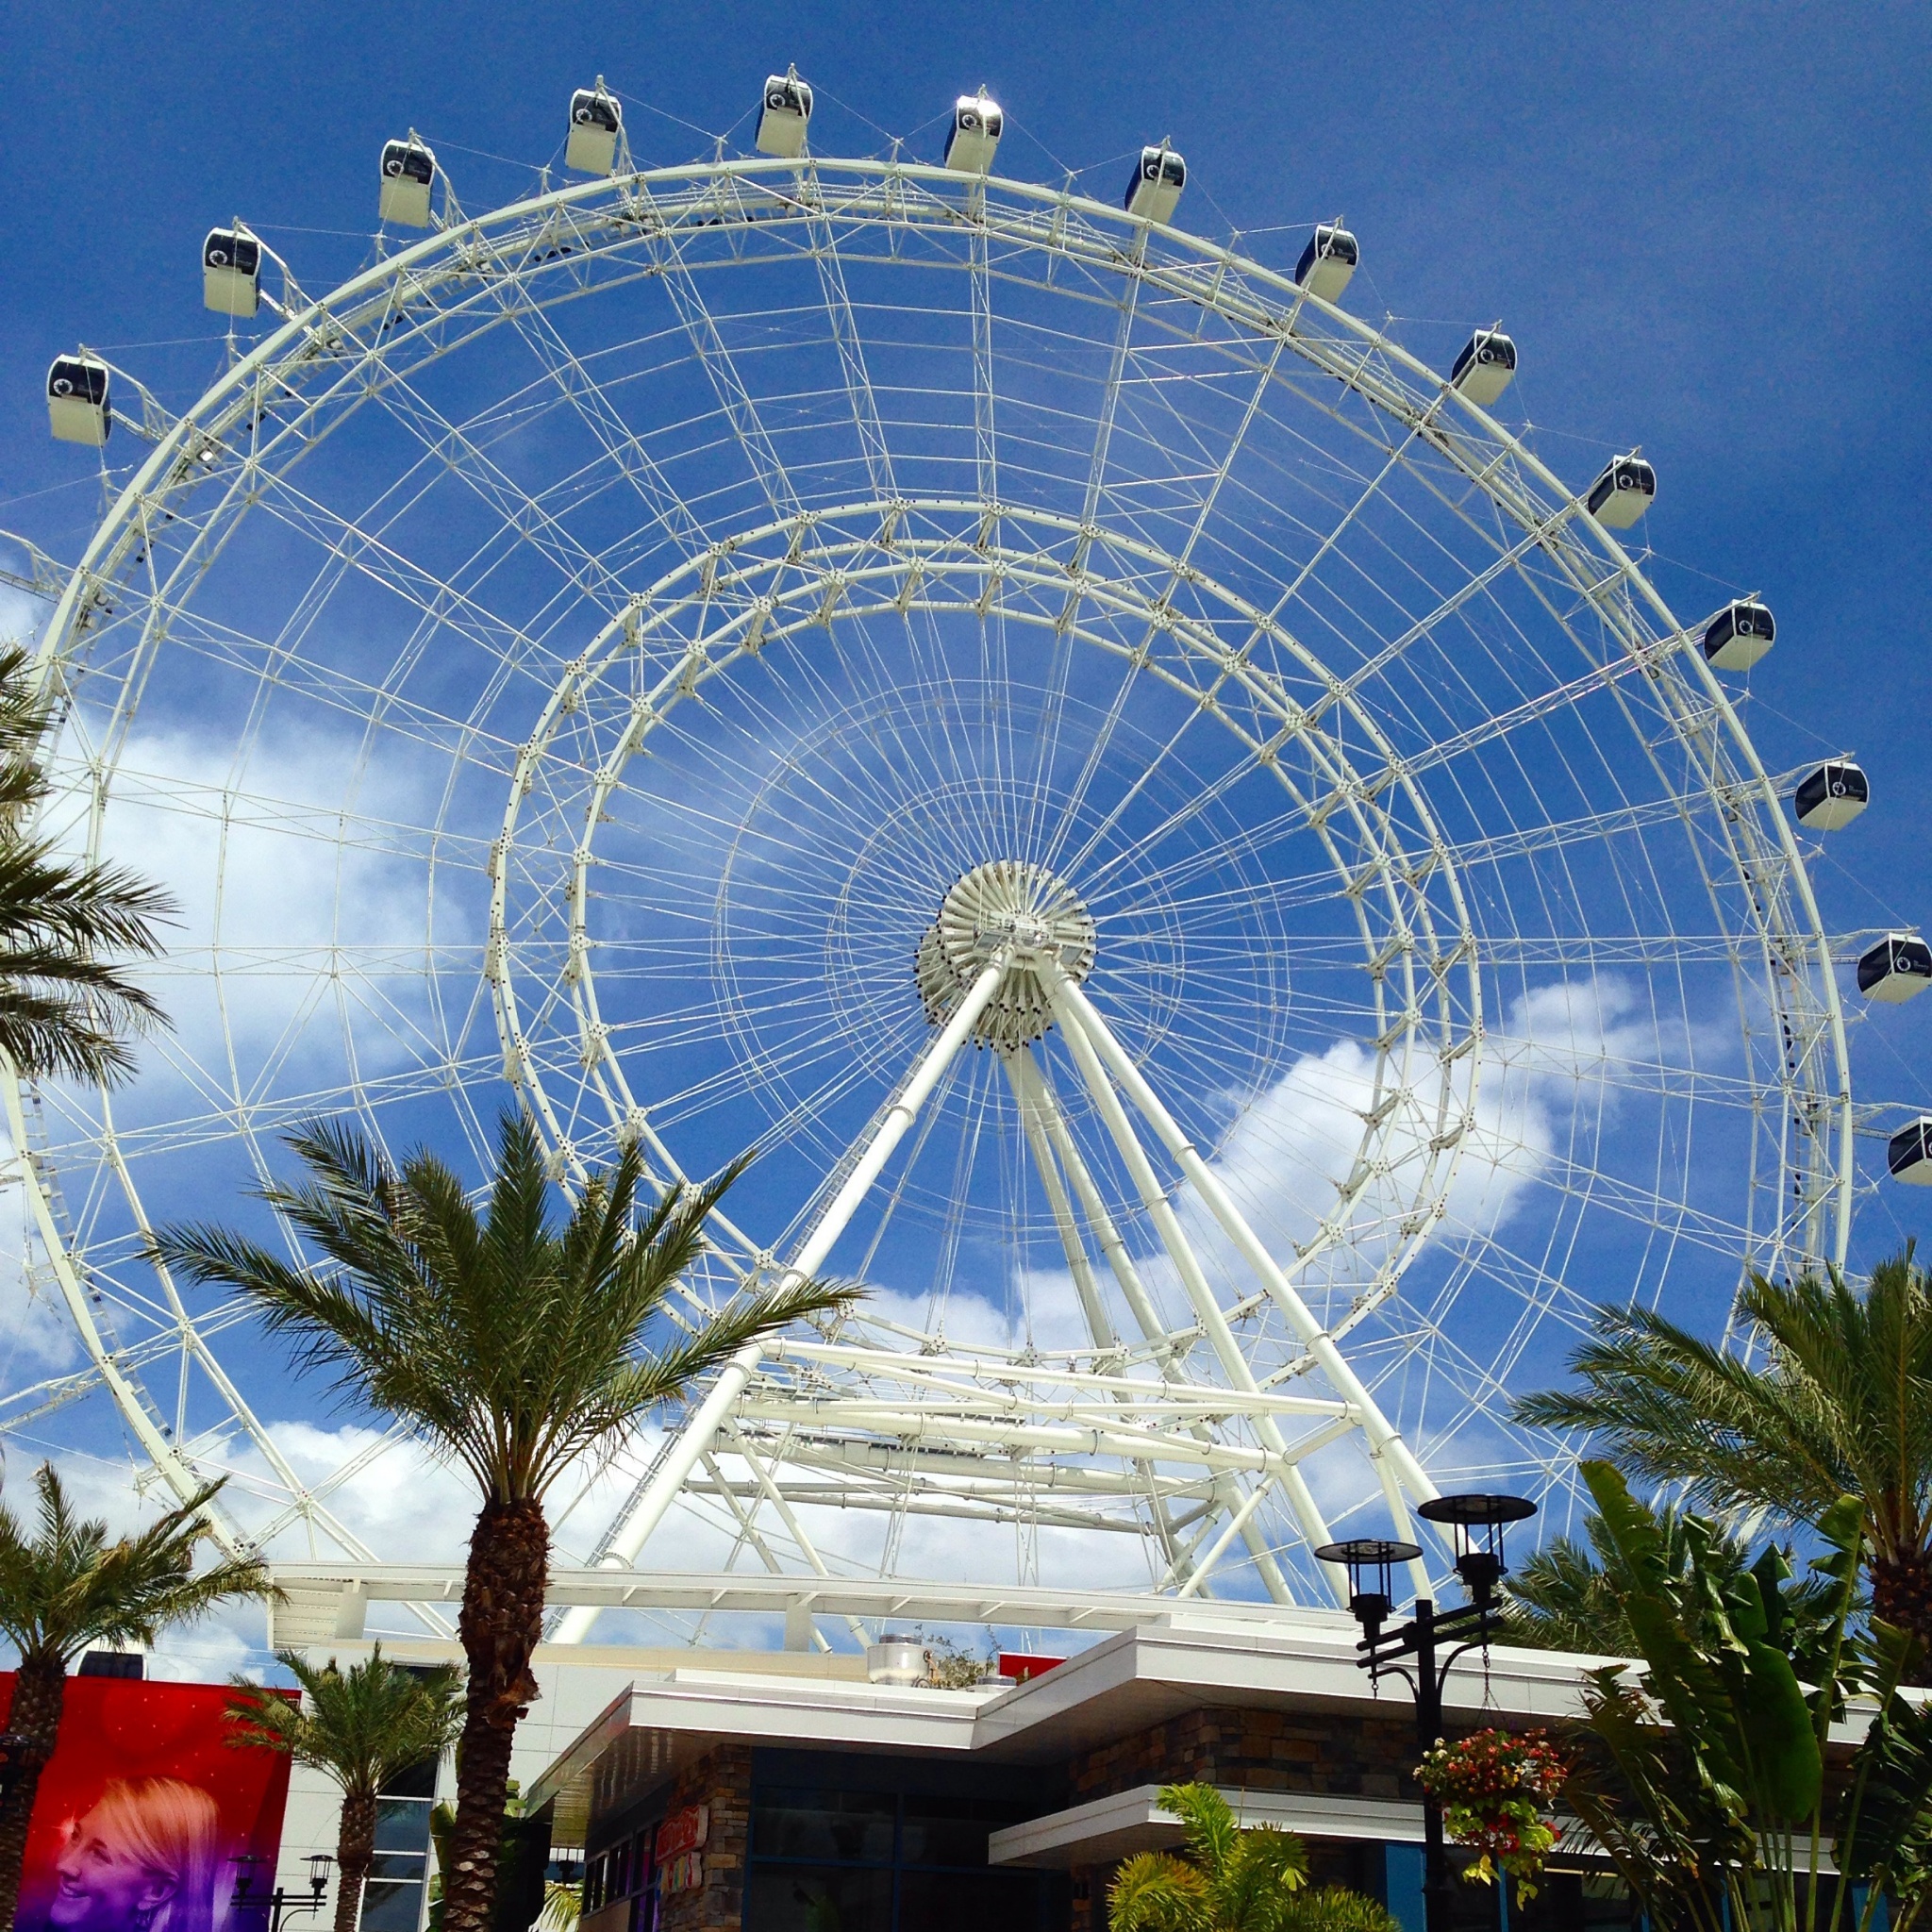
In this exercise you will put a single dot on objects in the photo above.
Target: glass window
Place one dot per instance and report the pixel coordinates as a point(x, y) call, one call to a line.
point(969, 1901)
point(401, 1865)
point(389, 1906)
point(819, 1898)
point(402, 1825)
point(788, 1824)
point(953, 1831)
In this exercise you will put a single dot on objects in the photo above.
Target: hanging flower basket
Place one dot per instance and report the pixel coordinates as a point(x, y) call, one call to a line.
point(1496, 1789)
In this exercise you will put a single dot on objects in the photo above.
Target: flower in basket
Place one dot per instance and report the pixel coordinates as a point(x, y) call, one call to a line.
point(1495, 1789)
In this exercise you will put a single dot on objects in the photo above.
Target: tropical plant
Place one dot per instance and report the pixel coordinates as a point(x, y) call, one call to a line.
point(512, 1347)
point(361, 1727)
point(65, 1589)
point(66, 1007)
point(1842, 1406)
point(1703, 1781)
point(1574, 1596)
point(1230, 1878)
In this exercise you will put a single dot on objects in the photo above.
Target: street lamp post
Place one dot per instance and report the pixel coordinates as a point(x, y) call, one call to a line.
point(1434, 1640)
point(279, 1904)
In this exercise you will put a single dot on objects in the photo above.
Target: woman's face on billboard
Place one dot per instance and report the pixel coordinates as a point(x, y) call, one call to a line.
point(103, 1884)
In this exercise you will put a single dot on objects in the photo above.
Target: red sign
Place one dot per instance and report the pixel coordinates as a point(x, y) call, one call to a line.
point(145, 1815)
point(683, 1831)
point(1023, 1666)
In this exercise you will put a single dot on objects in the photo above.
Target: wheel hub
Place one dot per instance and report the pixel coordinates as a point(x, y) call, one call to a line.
point(1019, 907)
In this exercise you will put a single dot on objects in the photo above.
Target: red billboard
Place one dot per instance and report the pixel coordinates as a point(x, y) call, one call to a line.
point(146, 1817)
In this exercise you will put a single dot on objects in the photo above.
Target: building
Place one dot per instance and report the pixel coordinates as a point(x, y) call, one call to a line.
point(789, 1793)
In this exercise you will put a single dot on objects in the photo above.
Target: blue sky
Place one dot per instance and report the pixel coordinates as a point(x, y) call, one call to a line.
point(1705, 228)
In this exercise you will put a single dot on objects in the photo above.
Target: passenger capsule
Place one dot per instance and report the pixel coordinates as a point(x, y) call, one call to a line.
point(1623, 492)
point(1486, 367)
point(1332, 256)
point(408, 168)
point(976, 135)
point(77, 404)
point(783, 119)
point(595, 121)
point(1909, 1154)
point(231, 272)
point(1898, 969)
point(1738, 635)
point(1832, 796)
point(1154, 190)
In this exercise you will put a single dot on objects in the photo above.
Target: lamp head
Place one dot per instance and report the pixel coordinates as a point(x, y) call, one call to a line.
point(1370, 1561)
point(319, 1863)
point(1476, 1523)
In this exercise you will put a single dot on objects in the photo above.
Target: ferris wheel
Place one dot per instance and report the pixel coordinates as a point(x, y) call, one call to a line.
point(1219, 891)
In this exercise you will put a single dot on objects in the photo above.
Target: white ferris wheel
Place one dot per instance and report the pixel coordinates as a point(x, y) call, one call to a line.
point(1221, 891)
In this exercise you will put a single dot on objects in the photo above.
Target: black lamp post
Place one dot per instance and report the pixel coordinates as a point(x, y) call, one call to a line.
point(1476, 1523)
point(280, 1904)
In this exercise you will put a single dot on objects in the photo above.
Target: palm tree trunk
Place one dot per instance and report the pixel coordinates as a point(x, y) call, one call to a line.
point(1902, 1594)
point(354, 1848)
point(40, 1691)
point(502, 1619)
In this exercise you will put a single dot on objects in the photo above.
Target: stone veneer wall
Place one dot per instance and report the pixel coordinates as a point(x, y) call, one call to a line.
point(1252, 1750)
point(722, 1779)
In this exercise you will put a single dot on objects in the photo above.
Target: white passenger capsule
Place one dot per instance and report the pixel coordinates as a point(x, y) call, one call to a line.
point(1832, 796)
point(1738, 635)
point(595, 121)
point(1898, 969)
point(1328, 263)
point(1623, 492)
point(975, 137)
point(231, 272)
point(1485, 368)
point(1909, 1154)
point(408, 168)
point(784, 116)
point(77, 403)
point(1153, 188)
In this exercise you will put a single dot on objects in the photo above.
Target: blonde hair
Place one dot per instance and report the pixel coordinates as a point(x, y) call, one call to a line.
point(174, 1831)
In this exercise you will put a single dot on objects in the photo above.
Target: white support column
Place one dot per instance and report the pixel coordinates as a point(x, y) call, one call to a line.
point(1395, 1462)
point(695, 1437)
point(1018, 1065)
point(1234, 1364)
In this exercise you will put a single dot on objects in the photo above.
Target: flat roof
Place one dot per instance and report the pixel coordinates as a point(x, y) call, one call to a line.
point(1127, 1682)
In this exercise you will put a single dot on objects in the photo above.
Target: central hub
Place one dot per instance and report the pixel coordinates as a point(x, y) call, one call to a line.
point(1011, 905)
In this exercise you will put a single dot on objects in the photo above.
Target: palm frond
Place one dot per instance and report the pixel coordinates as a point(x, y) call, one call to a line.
point(1155, 1891)
point(67, 1587)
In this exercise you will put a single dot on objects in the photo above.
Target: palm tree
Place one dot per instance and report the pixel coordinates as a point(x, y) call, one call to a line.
point(1575, 1596)
point(1230, 1879)
point(1843, 1405)
point(65, 1007)
point(66, 1588)
point(361, 1727)
point(512, 1347)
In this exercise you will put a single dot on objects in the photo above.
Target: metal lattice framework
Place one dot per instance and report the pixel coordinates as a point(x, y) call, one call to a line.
point(1224, 895)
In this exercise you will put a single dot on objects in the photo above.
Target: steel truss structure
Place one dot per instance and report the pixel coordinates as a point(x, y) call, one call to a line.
point(1205, 870)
